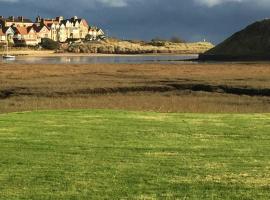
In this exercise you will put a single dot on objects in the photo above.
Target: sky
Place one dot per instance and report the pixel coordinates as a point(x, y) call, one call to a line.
point(192, 20)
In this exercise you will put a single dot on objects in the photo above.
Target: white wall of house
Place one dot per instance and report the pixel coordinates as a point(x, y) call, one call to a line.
point(3, 38)
point(10, 34)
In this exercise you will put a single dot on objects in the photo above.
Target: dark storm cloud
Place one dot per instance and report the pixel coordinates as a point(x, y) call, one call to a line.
point(193, 20)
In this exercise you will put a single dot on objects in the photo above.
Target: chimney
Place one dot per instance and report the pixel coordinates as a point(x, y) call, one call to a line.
point(38, 19)
point(59, 19)
point(12, 18)
point(20, 18)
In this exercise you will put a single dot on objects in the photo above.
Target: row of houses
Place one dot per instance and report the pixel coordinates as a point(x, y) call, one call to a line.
point(20, 30)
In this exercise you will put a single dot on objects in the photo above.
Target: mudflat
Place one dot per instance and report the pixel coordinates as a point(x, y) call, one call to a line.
point(204, 88)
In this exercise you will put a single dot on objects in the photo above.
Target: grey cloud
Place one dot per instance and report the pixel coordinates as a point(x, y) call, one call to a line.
point(144, 19)
point(212, 3)
point(9, 1)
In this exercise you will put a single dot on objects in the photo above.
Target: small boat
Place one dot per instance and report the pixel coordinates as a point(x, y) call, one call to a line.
point(7, 56)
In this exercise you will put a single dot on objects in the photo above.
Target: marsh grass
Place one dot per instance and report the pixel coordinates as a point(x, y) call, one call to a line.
point(134, 87)
point(167, 102)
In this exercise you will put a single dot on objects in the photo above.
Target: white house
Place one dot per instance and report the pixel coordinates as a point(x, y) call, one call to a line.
point(9, 32)
point(95, 33)
point(42, 32)
point(62, 33)
point(25, 36)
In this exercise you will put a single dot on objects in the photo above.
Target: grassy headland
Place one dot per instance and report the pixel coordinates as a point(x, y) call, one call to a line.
point(133, 47)
point(251, 43)
point(129, 155)
point(114, 47)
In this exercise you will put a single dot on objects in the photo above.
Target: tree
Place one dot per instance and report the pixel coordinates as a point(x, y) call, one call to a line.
point(49, 44)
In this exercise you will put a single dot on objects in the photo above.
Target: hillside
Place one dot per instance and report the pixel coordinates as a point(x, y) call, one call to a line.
point(102, 154)
point(251, 43)
point(127, 47)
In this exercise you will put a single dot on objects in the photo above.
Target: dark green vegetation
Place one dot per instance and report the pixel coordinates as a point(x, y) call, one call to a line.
point(163, 42)
point(49, 44)
point(130, 155)
point(252, 43)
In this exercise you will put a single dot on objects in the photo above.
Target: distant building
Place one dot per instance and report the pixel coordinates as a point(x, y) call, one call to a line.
point(95, 33)
point(9, 32)
point(25, 36)
point(23, 31)
point(42, 31)
point(13, 21)
point(76, 28)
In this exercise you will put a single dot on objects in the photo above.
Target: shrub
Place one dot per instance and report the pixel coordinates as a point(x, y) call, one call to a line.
point(177, 40)
point(49, 44)
point(158, 39)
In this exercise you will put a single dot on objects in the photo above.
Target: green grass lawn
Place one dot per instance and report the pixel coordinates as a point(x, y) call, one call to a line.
point(101, 154)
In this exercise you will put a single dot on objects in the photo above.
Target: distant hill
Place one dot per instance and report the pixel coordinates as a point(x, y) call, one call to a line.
point(252, 43)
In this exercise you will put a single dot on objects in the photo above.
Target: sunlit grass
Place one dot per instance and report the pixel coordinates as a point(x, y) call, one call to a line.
point(102, 154)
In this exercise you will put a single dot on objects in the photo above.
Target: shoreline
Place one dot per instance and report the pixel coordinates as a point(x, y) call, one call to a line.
point(45, 53)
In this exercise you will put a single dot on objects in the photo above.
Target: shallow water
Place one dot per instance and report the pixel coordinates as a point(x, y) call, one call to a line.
point(102, 59)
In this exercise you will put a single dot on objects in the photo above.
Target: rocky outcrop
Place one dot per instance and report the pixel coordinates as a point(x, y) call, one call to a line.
point(125, 47)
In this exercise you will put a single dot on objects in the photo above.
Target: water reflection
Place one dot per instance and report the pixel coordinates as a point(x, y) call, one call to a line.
point(102, 59)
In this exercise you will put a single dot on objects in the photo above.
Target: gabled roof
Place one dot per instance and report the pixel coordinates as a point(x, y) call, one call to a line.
point(85, 23)
point(5, 29)
point(49, 25)
point(29, 28)
point(93, 28)
point(65, 21)
point(22, 30)
point(39, 28)
point(74, 21)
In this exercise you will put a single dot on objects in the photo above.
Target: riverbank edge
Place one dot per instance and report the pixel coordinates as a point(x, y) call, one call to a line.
point(66, 54)
point(232, 58)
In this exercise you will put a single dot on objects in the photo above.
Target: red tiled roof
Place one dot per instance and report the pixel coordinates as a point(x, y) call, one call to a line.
point(85, 22)
point(49, 22)
point(22, 30)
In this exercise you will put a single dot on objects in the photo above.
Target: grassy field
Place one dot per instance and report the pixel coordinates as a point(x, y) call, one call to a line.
point(197, 88)
point(101, 154)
